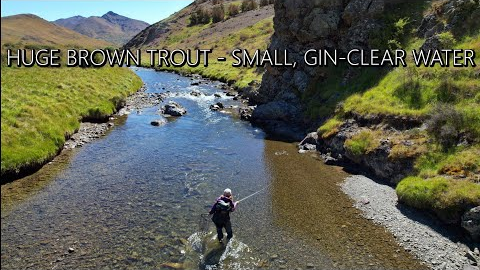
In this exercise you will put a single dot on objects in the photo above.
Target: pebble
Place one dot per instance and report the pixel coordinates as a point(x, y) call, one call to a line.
point(71, 250)
point(417, 235)
point(310, 265)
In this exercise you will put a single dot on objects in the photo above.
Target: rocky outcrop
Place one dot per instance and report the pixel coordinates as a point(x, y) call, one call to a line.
point(471, 222)
point(173, 109)
point(458, 17)
point(303, 25)
point(379, 160)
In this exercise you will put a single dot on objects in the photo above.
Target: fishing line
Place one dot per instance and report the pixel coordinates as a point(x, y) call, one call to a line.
point(253, 194)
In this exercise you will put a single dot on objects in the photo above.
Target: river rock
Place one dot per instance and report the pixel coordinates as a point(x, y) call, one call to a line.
point(246, 113)
point(158, 122)
point(214, 107)
point(195, 93)
point(173, 109)
point(471, 222)
point(195, 83)
point(217, 95)
point(308, 147)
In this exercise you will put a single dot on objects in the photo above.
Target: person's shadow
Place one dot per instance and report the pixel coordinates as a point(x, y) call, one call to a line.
point(213, 254)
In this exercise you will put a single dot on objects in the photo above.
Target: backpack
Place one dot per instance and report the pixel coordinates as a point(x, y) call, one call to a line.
point(223, 207)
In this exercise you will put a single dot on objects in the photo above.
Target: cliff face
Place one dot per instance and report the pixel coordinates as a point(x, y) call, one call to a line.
point(391, 121)
point(300, 26)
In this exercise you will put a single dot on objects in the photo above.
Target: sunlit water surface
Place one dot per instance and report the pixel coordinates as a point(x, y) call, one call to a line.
point(135, 198)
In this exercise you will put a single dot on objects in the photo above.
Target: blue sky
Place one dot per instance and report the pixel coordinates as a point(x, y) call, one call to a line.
point(150, 11)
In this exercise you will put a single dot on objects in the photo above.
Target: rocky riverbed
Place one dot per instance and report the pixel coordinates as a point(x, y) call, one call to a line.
point(90, 131)
point(414, 230)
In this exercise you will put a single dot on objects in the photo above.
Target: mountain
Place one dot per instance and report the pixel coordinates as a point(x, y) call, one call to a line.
point(28, 29)
point(196, 26)
point(110, 27)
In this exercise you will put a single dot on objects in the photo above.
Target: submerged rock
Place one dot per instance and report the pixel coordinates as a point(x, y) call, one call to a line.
point(158, 122)
point(216, 107)
point(173, 109)
point(195, 93)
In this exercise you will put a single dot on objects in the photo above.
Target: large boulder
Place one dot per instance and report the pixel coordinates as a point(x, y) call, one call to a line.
point(471, 222)
point(359, 9)
point(173, 109)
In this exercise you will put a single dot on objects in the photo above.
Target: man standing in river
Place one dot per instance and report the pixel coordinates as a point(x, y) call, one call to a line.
point(221, 214)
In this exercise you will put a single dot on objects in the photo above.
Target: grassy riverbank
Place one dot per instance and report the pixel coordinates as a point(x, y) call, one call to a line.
point(250, 38)
point(41, 106)
point(447, 168)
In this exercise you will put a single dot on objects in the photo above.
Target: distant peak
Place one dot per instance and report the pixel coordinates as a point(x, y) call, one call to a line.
point(110, 13)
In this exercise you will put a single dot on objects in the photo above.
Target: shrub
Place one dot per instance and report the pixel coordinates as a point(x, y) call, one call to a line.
point(218, 13)
point(199, 16)
point(446, 91)
point(446, 39)
point(362, 143)
point(248, 5)
point(445, 124)
point(264, 3)
point(233, 10)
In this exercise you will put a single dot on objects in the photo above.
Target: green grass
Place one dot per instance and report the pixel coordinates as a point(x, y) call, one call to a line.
point(449, 198)
point(40, 106)
point(446, 179)
point(250, 38)
point(362, 143)
point(329, 128)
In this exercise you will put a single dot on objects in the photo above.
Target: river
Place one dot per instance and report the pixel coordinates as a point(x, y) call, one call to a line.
point(134, 199)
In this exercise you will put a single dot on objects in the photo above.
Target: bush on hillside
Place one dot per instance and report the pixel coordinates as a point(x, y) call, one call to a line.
point(218, 13)
point(200, 16)
point(264, 3)
point(233, 10)
point(445, 125)
point(248, 5)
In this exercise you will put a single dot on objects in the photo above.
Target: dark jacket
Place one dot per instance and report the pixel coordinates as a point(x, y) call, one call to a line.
point(222, 216)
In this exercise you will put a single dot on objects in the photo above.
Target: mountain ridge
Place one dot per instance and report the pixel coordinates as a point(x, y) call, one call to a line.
point(30, 29)
point(111, 27)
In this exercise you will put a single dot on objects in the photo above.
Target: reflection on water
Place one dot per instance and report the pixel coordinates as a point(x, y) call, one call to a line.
point(133, 199)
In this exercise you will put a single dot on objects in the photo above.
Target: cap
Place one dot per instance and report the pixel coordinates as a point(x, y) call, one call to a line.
point(227, 191)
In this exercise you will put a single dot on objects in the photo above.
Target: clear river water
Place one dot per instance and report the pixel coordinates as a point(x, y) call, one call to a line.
point(134, 199)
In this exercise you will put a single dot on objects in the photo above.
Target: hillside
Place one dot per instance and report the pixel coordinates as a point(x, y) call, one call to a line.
point(27, 29)
point(110, 27)
point(250, 28)
point(40, 106)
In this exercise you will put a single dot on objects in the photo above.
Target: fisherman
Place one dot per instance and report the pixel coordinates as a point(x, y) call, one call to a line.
point(221, 214)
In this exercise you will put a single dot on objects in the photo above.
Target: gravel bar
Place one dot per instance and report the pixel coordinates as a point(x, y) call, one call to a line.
point(414, 230)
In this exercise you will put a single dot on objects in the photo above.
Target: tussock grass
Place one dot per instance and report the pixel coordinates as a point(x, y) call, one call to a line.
point(362, 143)
point(450, 198)
point(329, 128)
point(40, 106)
point(447, 176)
